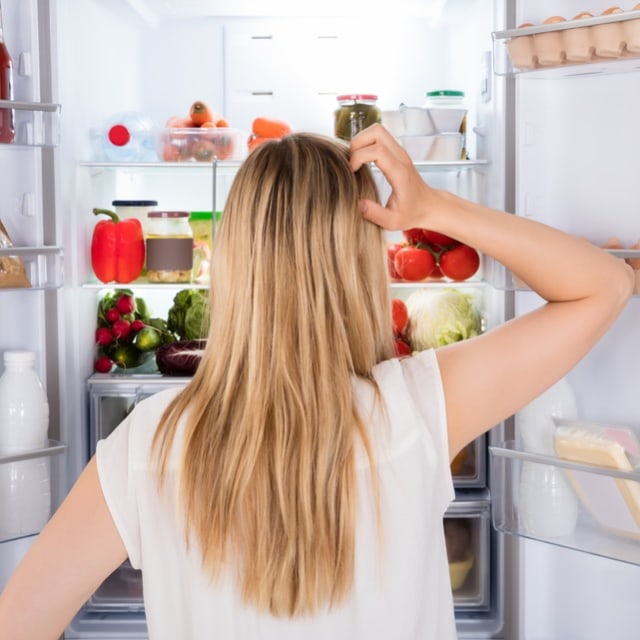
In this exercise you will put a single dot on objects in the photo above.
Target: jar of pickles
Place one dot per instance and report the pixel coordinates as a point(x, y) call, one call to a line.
point(355, 112)
point(169, 242)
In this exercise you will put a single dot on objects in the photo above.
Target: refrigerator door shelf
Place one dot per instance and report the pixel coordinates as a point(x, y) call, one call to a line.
point(469, 466)
point(50, 456)
point(607, 523)
point(591, 45)
point(43, 266)
point(36, 124)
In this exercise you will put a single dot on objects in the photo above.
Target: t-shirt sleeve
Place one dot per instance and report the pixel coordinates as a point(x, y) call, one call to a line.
point(424, 382)
point(114, 457)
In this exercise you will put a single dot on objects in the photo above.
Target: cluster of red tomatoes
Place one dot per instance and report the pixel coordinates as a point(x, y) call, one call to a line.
point(429, 254)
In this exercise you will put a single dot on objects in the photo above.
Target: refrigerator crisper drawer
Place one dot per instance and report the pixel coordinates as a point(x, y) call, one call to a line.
point(579, 506)
point(111, 399)
point(468, 468)
point(467, 536)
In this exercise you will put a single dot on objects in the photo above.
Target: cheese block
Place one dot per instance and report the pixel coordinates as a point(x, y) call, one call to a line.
point(613, 502)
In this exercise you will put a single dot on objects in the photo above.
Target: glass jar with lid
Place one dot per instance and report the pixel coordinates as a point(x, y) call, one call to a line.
point(169, 243)
point(355, 112)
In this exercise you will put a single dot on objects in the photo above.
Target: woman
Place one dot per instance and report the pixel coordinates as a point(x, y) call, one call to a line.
point(296, 487)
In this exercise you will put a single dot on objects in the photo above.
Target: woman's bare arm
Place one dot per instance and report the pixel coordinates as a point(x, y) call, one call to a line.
point(488, 378)
point(74, 553)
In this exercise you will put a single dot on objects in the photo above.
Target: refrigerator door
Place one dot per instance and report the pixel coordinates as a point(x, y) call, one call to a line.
point(575, 141)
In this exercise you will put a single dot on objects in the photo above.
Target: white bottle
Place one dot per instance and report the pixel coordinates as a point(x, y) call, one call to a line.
point(129, 137)
point(548, 506)
point(25, 486)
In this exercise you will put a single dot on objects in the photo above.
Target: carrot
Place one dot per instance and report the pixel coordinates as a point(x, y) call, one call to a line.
point(256, 141)
point(200, 113)
point(170, 153)
point(270, 128)
point(222, 123)
point(208, 125)
point(178, 122)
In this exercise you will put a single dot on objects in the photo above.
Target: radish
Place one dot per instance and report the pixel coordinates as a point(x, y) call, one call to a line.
point(103, 336)
point(121, 329)
point(103, 364)
point(126, 304)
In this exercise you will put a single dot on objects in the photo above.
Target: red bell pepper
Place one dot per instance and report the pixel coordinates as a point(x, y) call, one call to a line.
point(117, 248)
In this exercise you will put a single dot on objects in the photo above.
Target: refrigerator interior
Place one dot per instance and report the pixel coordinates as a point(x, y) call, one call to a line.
point(157, 57)
point(575, 144)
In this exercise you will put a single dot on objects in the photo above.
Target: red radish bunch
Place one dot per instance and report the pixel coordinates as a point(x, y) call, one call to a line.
point(429, 254)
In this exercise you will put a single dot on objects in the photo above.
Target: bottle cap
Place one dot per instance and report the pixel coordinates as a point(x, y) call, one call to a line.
point(445, 93)
point(119, 135)
point(201, 215)
point(168, 214)
point(19, 357)
point(357, 96)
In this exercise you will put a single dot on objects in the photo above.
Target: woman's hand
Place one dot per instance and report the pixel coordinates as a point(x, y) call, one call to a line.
point(411, 198)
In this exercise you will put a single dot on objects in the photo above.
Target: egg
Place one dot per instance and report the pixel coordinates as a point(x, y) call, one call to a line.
point(611, 10)
point(554, 19)
point(583, 14)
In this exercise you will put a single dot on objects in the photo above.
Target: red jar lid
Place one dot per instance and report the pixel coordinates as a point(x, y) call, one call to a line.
point(357, 96)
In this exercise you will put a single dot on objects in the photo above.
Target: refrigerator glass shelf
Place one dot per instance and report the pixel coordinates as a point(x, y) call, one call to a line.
point(52, 448)
point(606, 524)
point(587, 46)
point(37, 124)
point(143, 284)
point(43, 266)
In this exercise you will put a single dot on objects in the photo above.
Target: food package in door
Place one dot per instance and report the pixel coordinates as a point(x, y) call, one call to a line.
point(614, 501)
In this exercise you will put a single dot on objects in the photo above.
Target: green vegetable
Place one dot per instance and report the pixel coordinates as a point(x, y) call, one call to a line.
point(188, 317)
point(147, 339)
point(438, 317)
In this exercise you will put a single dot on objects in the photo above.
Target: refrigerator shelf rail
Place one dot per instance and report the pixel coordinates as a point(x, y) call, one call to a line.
point(37, 124)
point(44, 266)
point(606, 524)
point(12, 466)
point(591, 45)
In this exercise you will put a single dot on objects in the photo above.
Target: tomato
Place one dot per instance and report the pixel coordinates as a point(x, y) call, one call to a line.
point(414, 236)
point(437, 238)
point(460, 263)
point(402, 348)
point(399, 315)
point(414, 263)
point(437, 274)
point(392, 249)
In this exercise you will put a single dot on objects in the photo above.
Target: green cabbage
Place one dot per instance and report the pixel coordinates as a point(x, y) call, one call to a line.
point(438, 317)
point(188, 317)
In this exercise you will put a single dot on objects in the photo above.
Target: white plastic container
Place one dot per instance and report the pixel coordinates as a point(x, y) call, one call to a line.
point(548, 505)
point(134, 209)
point(447, 110)
point(25, 485)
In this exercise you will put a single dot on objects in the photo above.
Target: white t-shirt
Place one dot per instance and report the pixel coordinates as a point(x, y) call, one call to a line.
point(401, 589)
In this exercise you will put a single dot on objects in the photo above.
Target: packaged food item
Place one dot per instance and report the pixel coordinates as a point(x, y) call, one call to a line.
point(449, 114)
point(355, 112)
point(549, 45)
point(201, 223)
point(522, 51)
point(169, 245)
point(608, 37)
point(579, 45)
point(12, 271)
point(631, 32)
point(134, 209)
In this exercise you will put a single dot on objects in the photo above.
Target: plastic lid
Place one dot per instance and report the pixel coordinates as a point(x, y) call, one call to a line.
point(445, 93)
point(119, 135)
point(357, 96)
point(134, 203)
point(19, 357)
point(168, 214)
point(201, 215)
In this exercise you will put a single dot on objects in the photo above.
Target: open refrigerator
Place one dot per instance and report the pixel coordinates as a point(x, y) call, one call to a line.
point(553, 142)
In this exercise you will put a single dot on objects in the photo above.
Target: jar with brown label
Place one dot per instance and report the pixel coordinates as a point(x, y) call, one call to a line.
point(355, 113)
point(169, 243)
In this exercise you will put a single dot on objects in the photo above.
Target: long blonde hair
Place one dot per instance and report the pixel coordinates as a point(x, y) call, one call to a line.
point(299, 306)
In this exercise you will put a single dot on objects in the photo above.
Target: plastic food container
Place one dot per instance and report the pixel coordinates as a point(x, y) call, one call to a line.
point(447, 110)
point(169, 244)
point(355, 112)
point(134, 209)
point(417, 121)
point(201, 144)
point(393, 122)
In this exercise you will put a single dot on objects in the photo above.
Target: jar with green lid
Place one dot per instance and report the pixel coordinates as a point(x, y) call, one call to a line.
point(201, 223)
point(355, 112)
point(169, 243)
